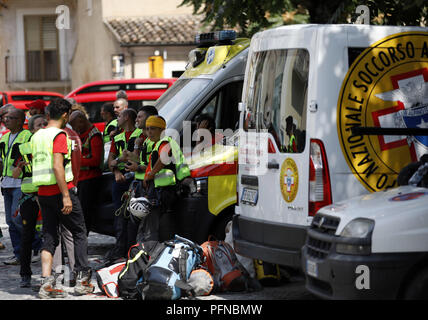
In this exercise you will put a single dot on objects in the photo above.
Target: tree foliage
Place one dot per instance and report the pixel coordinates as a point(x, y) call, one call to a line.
point(250, 16)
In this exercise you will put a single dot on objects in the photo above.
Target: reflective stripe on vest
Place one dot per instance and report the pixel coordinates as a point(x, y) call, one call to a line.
point(42, 150)
point(22, 137)
point(106, 137)
point(166, 177)
point(27, 185)
point(147, 151)
point(122, 138)
point(87, 145)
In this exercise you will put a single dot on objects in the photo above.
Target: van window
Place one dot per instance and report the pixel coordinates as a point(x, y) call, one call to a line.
point(176, 99)
point(32, 97)
point(277, 85)
point(223, 106)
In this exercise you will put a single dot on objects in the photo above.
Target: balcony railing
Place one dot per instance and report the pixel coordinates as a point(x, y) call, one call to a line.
point(53, 67)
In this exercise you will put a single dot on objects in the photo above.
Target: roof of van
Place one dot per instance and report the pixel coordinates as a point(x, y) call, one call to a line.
point(305, 35)
point(341, 26)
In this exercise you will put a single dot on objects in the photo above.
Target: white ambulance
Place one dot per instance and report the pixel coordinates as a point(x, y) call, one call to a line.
point(305, 87)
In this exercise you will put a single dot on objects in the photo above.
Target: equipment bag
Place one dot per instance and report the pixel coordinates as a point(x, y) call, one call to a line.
point(201, 281)
point(107, 279)
point(222, 263)
point(171, 263)
point(267, 273)
point(138, 259)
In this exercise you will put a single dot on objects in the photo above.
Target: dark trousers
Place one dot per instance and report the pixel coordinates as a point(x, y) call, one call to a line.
point(160, 224)
point(120, 221)
point(29, 210)
point(52, 217)
point(87, 191)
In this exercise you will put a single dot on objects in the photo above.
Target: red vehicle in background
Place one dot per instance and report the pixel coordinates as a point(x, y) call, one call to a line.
point(20, 98)
point(140, 92)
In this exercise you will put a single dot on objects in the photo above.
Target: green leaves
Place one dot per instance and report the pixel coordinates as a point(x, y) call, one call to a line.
point(251, 16)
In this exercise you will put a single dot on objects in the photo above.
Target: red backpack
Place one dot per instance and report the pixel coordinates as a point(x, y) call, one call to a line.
point(222, 263)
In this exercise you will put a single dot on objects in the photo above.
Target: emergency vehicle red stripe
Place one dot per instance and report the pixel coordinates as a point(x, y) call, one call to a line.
point(215, 170)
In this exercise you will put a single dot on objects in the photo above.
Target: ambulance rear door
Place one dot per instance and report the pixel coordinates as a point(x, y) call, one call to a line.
point(275, 188)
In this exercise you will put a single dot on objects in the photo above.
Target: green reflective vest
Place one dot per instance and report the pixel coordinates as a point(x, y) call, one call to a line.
point(6, 152)
point(27, 185)
point(87, 145)
point(42, 151)
point(146, 151)
point(178, 169)
point(122, 144)
point(290, 143)
point(106, 136)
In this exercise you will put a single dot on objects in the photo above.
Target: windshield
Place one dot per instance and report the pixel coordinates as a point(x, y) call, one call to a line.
point(172, 103)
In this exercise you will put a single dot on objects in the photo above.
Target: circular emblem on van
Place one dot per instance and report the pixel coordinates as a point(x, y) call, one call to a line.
point(289, 180)
point(386, 86)
point(210, 55)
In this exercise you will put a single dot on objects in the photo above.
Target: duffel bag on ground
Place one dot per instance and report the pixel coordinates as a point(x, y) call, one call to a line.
point(222, 263)
point(169, 268)
point(138, 258)
point(107, 279)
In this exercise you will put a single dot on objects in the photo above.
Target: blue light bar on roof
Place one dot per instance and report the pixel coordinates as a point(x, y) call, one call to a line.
point(217, 36)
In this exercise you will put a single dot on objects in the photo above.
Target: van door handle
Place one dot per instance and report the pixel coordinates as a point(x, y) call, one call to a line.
point(273, 165)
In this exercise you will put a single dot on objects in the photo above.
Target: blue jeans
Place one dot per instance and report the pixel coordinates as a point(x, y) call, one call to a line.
point(11, 197)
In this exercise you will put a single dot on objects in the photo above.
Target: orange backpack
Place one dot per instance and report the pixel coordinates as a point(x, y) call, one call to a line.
point(222, 263)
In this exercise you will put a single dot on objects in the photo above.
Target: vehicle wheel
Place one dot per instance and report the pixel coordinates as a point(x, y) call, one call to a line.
point(218, 230)
point(417, 289)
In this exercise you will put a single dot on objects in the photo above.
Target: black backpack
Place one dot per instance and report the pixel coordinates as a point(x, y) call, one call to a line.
point(138, 258)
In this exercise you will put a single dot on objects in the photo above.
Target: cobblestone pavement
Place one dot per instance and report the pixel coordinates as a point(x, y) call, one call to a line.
point(98, 245)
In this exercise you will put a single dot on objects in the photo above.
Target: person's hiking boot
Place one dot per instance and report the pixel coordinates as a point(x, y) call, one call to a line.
point(13, 261)
point(48, 289)
point(83, 283)
point(2, 246)
point(25, 282)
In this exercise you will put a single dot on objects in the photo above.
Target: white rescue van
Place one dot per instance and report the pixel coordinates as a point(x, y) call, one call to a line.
point(305, 87)
point(370, 247)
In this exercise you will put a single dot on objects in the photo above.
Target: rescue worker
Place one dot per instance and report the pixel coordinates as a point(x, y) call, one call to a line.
point(52, 173)
point(109, 117)
point(3, 113)
point(137, 162)
point(165, 170)
point(91, 163)
point(28, 205)
point(36, 107)
point(10, 187)
point(122, 179)
point(120, 105)
point(289, 129)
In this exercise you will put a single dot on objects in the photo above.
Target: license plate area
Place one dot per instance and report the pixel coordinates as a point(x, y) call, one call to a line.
point(250, 196)
point(312, 268)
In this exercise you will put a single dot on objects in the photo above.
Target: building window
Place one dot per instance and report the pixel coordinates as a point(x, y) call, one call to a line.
point(41, 48)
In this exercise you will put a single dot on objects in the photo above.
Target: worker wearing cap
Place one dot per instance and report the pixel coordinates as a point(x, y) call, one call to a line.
point(165, 170)
point(36, 107)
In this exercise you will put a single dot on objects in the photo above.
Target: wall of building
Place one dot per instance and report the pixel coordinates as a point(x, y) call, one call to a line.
point(176, 58)
point(96, 44)
point(134, 8)
point(12, 44)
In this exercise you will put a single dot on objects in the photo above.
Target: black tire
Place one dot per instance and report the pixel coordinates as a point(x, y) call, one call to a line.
point(218, 230)
point(417, 289)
